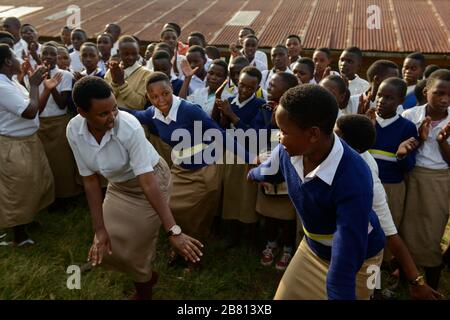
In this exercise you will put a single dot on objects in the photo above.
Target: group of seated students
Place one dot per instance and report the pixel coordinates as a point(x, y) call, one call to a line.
point(362, 166)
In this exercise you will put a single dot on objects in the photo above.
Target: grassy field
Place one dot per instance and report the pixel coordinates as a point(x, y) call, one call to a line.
point(63, 239)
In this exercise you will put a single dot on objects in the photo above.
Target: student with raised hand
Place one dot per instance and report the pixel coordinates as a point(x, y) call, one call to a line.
point(359, 133)
point(322, 61)
point(78, 37)
point(30, 35)
point(128, 77)
point(350, 63)
point(428, 184)
point(105, 42)
point(196, 58)
point(126, 224)
point(12, 25)
point(280, 62)
point(115, 31)
point(162, 63)
point(303, 69)
point(181, 47)
point(90, 57)
point(412, 71)
point(65, 37)
point(332, 190)
point(250, 49)
point(294, 46)
point(26, 182)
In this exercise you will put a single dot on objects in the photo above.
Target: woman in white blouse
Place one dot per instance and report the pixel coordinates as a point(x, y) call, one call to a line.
point(112, 143)
point(26, 182)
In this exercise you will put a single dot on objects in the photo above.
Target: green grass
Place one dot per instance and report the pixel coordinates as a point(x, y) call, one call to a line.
point(63, 239)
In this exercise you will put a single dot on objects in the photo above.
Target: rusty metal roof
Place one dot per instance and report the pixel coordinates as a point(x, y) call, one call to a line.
point(405, 25)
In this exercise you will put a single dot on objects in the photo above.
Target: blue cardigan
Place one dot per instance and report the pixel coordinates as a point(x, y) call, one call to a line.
point(340, 212)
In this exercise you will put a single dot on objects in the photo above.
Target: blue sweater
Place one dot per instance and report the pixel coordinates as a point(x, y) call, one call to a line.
point(342, 211)
point(176, 86)
point(387, 142)
point(188, 117)
point(410, 101)
point(248, 114)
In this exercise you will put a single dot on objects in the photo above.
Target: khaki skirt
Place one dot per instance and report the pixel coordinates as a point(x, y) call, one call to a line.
point(26, 181)
point(239, 195)
point(275, 206)
point(195, 199)
point(52, 133)
point(305, 277)
point(164, 150)
point(133, 225)
point(426, 214)
point(396, 193)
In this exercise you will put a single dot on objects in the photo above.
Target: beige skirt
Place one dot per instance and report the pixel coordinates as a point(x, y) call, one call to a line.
point(26, 181)
point(396, 193)
point(305, 277)
point(426, 214)
point(276, 206)
point(195, 198)
point(164, 150)
point(133, 225)
point(52, 133)
point(239, 195)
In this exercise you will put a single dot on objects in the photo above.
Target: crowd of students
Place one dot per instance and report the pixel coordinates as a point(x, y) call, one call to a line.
point(362, 167)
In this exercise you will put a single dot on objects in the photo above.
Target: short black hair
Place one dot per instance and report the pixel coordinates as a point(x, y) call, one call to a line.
point(5, 53)
point(67, 28)
point(199, 35)
point(197, 49)
point(418, 92)
point(357, 131)
point(309, 106)
point(240, 60)
point(52, 44)
point(220, 63)
point(294, 36)
point(168, 29)
point(156, 77)
point(127, 39)
point(380, 68)
point(164, 46)
point(108, 35)
point(161, 55)
point(356, 51)
point(80, 31)
point(251, 36)
point(309, 63)
point(417, 56)
point(28, 25)
point(324, 50)
point(88, 88)
point(399, 84)
point(342, 86)
point(253, 72)
point(90, 45)
point(441, 74)
point(6, 34)
point(430, 69)
point(282, 47)
point(288, 79)
point(212, 52)
point(15, 21)
point(249, 30)
point(175, 27)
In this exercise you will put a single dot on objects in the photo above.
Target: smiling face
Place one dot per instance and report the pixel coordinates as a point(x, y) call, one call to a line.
point(129, 53)
point(250, 47)
point(438, 95)
point(215, 77)
point(160, 95)
point(349, 64)
point(49, 56)
point(101, 115)
point(247, 86)
point(387, 101)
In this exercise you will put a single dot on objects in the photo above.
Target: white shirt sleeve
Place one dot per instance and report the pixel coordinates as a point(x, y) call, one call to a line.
point(12, 101)
point(142, 153)
point(66, 82)
point(82, 167)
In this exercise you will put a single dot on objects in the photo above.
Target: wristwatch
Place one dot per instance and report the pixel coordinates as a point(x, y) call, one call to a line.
point(175, 230)
point(419, 281)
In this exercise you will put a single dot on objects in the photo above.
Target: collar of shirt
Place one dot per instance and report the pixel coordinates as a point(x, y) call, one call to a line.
point(385, 122)
point(241, 104)
point(172, 116)
point(89, 138)
point(84, 72)
point(327, 169)
point(130, 70)
point(173, 77)
point(4, 78)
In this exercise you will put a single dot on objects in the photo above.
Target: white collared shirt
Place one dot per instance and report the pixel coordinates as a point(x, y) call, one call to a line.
point(327, 169)
point(358, 85)
point(386, 122)
point(115, 48)
point(173, 112)
point(428, 154)
point(379, 205)
point(51, 108)
point(14, 102)
point(123, 153)
point(19, 47)
point(75, 61)
point(204, 99)
point(131, 69)
point(243, 103)
point(267, 75)
point(102, 66)
point(262, 58)
point(196, 83)
point(84, 72)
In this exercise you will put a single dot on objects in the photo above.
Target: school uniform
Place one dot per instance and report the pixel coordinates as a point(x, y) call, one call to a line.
point(358, 85)
point(69, 48)
point(132, 93)
point(96, 73)
point(176, 84)
point(131, 222)
point(195, 181)
point(20, 47)
point(115, 48)
point(26, 181)
point(231, 91)
point(38, 51)
point(102, 65)
point(342, 233)
point(267, 75)
point(196, 83)
point(240, 202)
point(428, 191)
point(205, 99)
point(390, 133)
point(410, 98)
point(75, 61)
point(53, 123)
